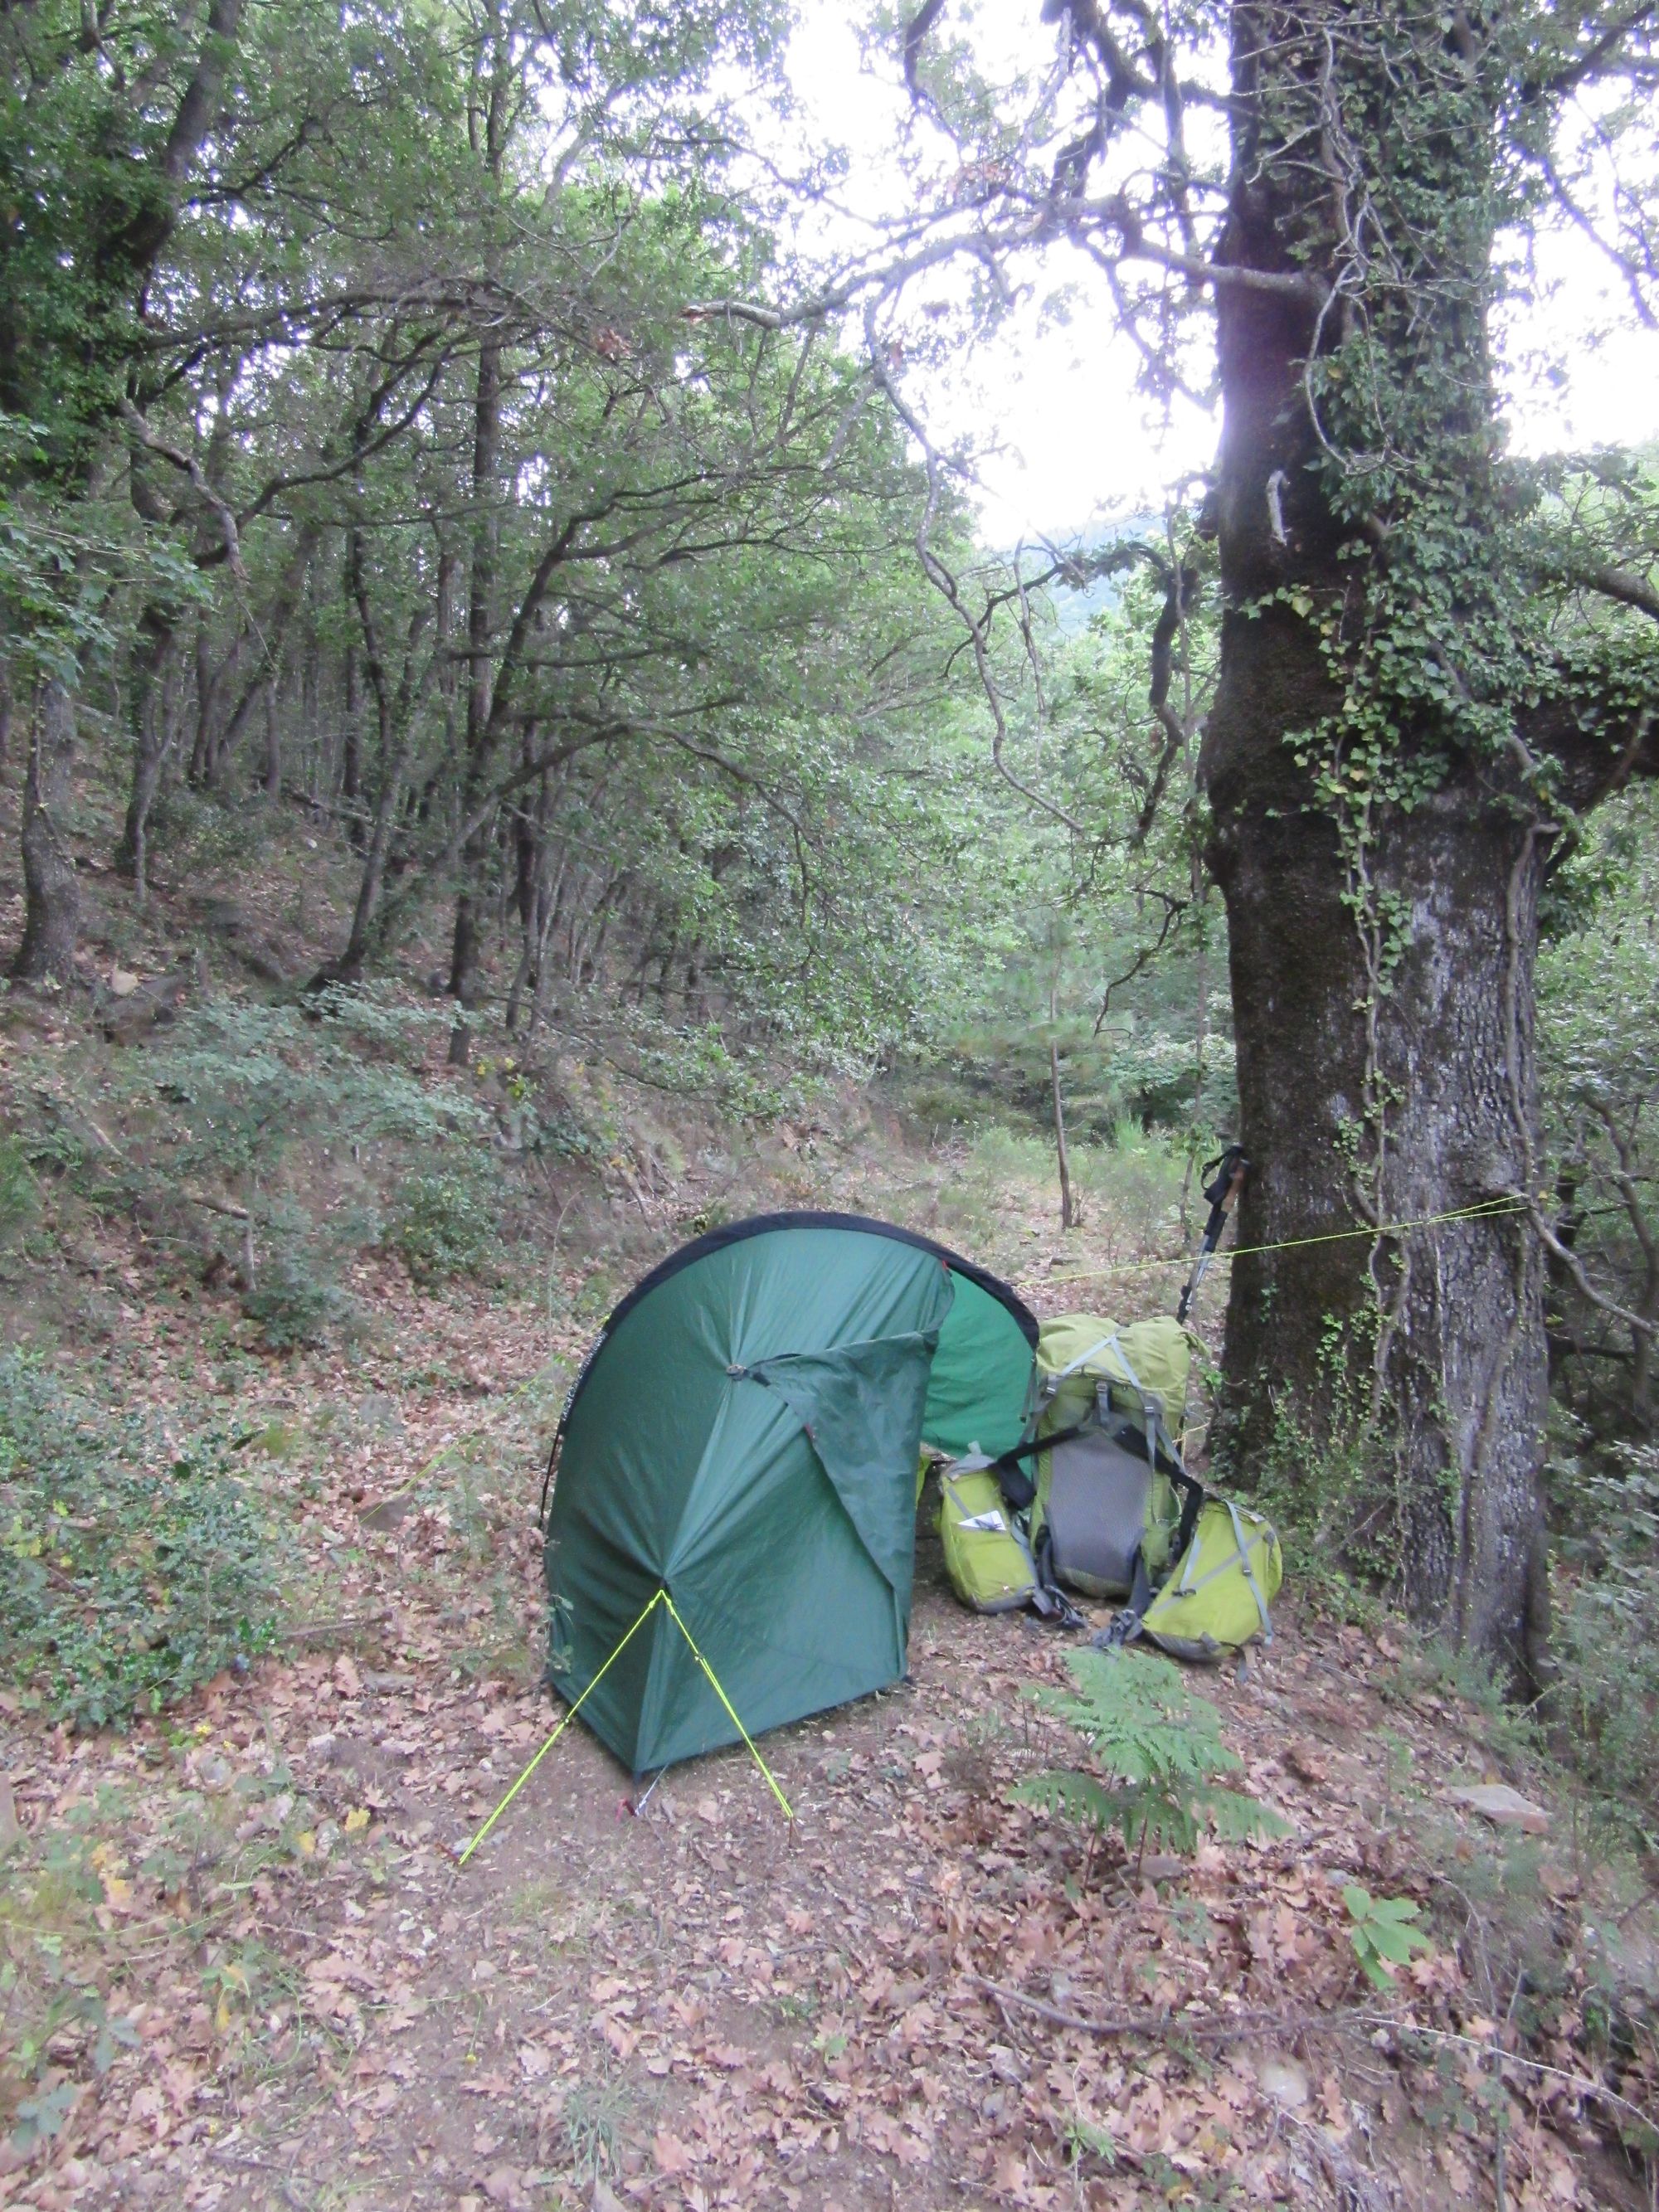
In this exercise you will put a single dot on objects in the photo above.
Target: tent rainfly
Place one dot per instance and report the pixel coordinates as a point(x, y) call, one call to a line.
point(745, 1435)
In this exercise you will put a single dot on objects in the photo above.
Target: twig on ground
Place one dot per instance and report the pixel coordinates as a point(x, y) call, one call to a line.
point(304, 1631)
point(1162, 2024)
point(1582, 2082)
point(1356, 2191)
point(1165, 2023)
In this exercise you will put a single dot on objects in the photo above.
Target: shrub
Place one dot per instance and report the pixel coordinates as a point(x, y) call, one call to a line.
point(446, 1224)
point(19, 1196)
point(253, 1101)
point(296, 1300)
point(1605, 1698)
point(135, 1566)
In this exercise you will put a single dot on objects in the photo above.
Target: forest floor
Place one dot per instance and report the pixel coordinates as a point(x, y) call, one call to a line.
point(304, 2002)
point(239, 1964)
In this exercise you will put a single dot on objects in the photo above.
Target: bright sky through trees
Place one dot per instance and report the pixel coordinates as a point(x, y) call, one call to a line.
point(1049, 402)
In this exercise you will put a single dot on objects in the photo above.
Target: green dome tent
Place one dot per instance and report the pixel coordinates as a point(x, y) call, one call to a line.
point(745, 1434)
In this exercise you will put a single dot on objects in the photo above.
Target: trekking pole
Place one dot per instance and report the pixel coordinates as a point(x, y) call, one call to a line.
point(1227, 1174)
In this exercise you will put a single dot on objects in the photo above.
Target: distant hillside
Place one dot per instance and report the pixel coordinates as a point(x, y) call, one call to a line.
point(1075, 608)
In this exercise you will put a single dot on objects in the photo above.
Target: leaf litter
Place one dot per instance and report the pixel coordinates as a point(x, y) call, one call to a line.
point(259, 1979)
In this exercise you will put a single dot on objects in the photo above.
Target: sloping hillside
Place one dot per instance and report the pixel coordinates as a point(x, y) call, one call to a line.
point(241, 1965)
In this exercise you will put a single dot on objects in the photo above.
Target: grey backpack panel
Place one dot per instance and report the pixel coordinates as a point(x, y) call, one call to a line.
point(1098, 1495)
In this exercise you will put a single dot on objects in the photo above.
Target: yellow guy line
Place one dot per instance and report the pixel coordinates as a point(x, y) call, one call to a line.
point(661, 1598)
point(650, 1608)
point(730, 1713)
point(1489, 1210)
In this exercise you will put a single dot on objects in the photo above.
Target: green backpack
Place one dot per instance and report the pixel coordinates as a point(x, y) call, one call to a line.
point(985, 1553)
point(1215, 1601)
point(1109, 1488)
point(1098, 1501)
point(1143, 1363)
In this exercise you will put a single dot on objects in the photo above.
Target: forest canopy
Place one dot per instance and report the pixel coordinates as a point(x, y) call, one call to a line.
point(498, 443)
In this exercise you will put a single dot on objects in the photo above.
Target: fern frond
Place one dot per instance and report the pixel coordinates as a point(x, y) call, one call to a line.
point(1236, 1819)
point(1160, 1748)
point(1079, 1796)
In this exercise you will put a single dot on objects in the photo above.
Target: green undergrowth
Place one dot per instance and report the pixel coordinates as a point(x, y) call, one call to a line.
point(995, 1195)
point(140, 1558)
point(1603, 1708)
point(1156, 1758)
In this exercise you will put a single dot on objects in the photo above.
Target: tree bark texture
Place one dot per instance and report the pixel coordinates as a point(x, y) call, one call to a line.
point(1382, 994)
point(52, 908)
point(1429, 1342)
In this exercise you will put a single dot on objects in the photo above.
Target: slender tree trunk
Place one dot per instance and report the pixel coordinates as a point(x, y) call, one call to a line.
point(533, 896)
point(398, 711)
point(273, 640)
point(314, 768)
point(210, 683)
point(5, 716)
point(488, 126)
point(347, 966)
point(1641, 1358)
point(151, 733)
point(464, 953)
point(51, 898)
point(1062, 1156)
point(351, 751)
point(272, 779)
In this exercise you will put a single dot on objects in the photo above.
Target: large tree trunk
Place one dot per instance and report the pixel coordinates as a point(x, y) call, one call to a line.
point(1383, 952)
point(51, 910)
point(1399, 1378)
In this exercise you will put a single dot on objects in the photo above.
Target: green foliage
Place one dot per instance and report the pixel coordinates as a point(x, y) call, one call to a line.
point(1598, 984)
point(1384, 1935)
point(19, 1194)
point(241, 1084)
point(1109, 951)
point(1604, 1696)
point(296, 1300)
point(1158, 1753)
point(274, 1107)
point(138, 1563)
point(1327, 1478)
point(447, 1223)
point(1087, 2139)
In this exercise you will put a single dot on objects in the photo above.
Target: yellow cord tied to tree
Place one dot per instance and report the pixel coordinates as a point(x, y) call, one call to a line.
point(1485, 1210)
point(658, 1598)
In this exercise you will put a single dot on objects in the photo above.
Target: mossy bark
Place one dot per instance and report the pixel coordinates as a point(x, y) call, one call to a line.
point(1383, 998)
